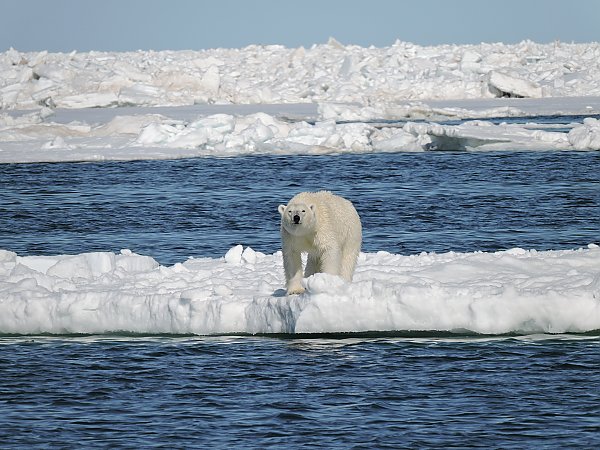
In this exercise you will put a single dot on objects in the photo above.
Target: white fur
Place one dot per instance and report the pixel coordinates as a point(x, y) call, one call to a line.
point(329, 231)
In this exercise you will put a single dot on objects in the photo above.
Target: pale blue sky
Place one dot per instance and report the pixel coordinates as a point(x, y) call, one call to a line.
point(121, 25)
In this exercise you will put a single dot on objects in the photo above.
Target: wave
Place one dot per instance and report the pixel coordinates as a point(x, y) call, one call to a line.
point(509, 292)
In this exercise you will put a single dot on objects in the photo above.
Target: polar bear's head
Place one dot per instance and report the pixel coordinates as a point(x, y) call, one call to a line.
point(298, 218)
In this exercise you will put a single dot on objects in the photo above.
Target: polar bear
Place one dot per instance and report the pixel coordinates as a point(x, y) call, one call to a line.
point(327, 228)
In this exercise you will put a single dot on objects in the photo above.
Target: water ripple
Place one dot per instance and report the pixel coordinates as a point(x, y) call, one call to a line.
point(265, 392)
point(201, 207)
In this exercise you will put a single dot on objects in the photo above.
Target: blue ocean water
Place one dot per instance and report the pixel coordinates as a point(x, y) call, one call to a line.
point(408, 203)
point(342, 391)
point(253, 392)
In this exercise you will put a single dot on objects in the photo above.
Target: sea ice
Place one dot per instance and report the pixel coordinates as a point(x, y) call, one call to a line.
point(177, 104)
point(504, 85)
point(520, 291)
point(587, 136)
point(330, 72)
point(35, 138)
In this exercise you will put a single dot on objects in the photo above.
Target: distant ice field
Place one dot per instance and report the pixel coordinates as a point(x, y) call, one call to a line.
point(99, 106)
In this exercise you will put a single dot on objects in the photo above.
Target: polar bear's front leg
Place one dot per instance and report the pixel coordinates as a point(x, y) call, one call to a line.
point(292, 265)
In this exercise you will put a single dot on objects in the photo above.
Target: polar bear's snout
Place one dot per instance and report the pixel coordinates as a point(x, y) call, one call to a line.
point(296, 219)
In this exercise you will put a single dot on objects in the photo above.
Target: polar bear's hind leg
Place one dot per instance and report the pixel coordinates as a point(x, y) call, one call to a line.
point(312, 265)
point(349, 258)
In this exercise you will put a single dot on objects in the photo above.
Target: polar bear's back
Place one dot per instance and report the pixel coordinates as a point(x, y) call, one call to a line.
point(336, 216)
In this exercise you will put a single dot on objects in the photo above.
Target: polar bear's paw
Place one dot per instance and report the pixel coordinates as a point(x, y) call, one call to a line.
point(293, 290)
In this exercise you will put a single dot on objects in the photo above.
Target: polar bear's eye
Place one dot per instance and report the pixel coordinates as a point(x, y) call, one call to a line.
point(303, 211)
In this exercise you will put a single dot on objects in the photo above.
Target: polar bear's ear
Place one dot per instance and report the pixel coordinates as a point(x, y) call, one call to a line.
point(312, 207)
point(281, 209)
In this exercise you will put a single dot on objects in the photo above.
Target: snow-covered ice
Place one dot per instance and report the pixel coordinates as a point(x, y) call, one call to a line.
point(330, 72)
point(33, 137)
point(520, 291)
point(272, 99)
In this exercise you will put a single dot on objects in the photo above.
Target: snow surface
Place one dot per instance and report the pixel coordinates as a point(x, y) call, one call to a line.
point(493, 293)
point(272, 99)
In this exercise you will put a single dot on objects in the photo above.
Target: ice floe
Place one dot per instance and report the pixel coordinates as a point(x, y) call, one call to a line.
point(513, 291)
